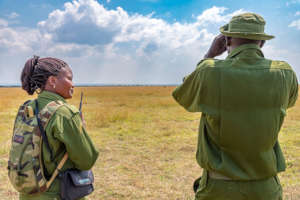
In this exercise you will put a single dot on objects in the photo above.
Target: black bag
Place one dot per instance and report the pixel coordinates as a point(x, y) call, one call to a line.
point(76, 184)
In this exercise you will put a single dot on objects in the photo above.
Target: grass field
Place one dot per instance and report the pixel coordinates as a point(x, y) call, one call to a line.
point(147, 143)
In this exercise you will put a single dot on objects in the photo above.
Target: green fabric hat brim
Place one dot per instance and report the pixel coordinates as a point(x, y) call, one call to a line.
point(250, 36)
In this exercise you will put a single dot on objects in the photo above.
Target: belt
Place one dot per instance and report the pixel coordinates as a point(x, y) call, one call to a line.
point(216, 175)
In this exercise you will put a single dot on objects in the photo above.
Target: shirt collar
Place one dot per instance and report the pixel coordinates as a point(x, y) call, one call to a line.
point(244, 47)
point(51, 96)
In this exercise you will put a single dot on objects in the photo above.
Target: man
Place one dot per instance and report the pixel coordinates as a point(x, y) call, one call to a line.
point(243, 100)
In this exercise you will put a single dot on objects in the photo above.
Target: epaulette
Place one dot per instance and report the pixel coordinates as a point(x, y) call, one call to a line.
point(201, 61)
point(72, 108)
point(207, 59)
point(68, 110)
point(280, 64)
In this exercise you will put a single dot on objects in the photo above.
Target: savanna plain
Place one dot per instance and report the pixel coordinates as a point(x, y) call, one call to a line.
point(147, 143)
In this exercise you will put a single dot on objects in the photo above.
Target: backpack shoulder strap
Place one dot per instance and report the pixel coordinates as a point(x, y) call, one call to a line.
point(43, 118)
point(46, 113)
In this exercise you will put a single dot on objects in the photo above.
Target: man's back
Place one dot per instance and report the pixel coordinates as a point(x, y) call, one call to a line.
point(243, 100)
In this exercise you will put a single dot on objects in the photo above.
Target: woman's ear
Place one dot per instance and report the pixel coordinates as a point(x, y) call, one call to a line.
point(51, 82)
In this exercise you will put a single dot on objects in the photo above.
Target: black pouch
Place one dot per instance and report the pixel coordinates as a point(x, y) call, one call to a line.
point(76, 184)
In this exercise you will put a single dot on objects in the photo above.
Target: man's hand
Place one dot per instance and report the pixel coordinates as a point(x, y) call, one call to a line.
point(217, 47)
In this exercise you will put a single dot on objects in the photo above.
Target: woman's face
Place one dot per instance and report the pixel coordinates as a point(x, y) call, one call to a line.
point(64, 84)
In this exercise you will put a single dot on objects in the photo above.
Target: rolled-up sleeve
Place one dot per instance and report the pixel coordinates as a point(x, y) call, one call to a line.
point(193, 93)
point(200, 91)
point(189, 93)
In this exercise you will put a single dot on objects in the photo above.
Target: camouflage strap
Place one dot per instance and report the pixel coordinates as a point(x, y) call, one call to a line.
point(43, 133)
point(42, 119)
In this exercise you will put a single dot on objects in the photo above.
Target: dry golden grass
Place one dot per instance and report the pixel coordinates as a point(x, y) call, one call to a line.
point(147, 143)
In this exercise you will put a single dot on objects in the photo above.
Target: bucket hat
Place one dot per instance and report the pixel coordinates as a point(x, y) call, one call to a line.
point(248, 25)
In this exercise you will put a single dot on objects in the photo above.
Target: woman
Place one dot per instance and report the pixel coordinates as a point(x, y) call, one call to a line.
point(52, 78)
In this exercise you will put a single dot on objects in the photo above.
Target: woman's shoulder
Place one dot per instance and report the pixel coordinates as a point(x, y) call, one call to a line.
point(67, 110)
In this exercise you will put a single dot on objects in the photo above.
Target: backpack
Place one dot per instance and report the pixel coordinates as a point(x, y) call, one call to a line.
point(25, 165)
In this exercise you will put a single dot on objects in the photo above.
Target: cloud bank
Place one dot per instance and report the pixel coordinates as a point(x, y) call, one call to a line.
point(13, 15)
point(296, 23)
point(111, 46)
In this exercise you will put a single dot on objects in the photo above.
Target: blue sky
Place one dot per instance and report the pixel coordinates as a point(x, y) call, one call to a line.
point(133, 41)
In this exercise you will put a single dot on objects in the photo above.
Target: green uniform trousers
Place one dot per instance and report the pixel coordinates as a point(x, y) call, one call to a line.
point(217, 189)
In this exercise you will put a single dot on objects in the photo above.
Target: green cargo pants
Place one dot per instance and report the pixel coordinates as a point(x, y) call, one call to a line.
point(217, 189)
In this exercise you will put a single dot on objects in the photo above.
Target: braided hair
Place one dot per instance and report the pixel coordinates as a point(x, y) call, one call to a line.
point(37, 71)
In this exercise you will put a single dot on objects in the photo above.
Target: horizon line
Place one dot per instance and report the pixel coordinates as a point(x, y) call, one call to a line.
point(99, 85)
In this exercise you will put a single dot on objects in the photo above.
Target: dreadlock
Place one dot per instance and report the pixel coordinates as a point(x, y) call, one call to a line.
point(37, 71)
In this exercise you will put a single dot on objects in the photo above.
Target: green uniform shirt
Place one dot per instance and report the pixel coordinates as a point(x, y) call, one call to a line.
point(65, 133)
point(243, 100)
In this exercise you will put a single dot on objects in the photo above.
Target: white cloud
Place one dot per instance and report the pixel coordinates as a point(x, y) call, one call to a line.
point(88, 22)
point(292, 2)
point(3, 23)
point(13, 15)
point(142, 48)
point(84, 22)
point(212, 15)
point(295, 24)
point(112, 46)
point(215, 15)
point(108, 1)
point(16, 41)
point(16, 45)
